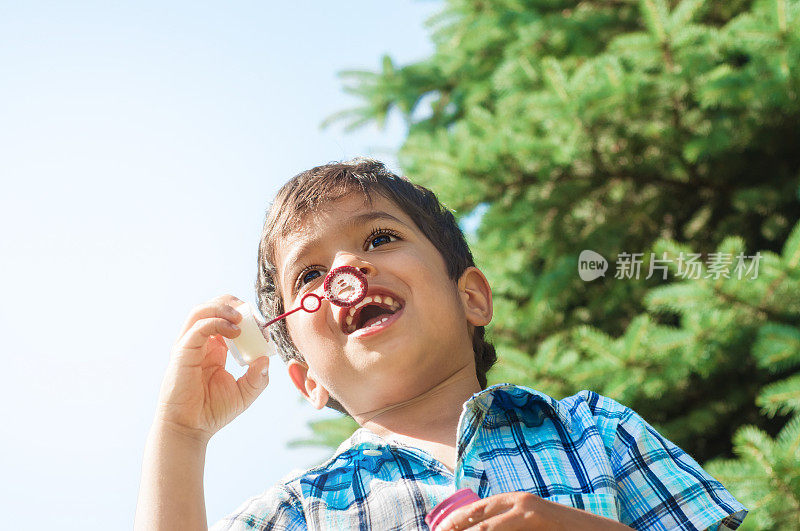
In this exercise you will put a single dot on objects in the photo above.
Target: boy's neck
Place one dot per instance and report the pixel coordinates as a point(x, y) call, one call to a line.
point(429, 420)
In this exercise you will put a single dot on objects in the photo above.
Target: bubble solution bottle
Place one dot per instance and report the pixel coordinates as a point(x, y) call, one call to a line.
point(457, 500)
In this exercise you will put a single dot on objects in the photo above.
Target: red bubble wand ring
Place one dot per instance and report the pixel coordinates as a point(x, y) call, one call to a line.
point(343, 286)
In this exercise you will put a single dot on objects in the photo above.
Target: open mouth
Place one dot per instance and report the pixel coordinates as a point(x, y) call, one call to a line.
point(373, 312)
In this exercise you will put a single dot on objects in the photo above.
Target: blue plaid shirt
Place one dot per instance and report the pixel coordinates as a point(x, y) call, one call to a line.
point(586, 451)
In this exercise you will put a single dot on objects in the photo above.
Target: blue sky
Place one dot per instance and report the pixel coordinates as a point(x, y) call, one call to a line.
point(140, 145)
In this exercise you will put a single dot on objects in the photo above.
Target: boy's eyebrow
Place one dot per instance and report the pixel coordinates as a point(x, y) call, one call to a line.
point(352, 223)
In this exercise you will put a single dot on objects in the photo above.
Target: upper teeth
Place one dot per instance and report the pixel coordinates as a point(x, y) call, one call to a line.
point(394, 305)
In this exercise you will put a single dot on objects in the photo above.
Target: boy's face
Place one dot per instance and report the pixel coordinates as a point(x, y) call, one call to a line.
point(427, 339)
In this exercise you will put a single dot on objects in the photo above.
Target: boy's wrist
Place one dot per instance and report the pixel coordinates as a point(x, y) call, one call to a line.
point(168, 430)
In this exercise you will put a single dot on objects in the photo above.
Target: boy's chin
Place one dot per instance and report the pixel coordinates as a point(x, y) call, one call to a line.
point(400, 363)
point(406, 369)
point(383, 346)
point(388, 362)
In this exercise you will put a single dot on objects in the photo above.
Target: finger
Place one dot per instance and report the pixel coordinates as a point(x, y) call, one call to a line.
point(476, 512)
point(222, 306)
point(508, 521)
point(217, 352)
point(190, 345)
point(216, 340)
point(254, 381)
point(212, 308)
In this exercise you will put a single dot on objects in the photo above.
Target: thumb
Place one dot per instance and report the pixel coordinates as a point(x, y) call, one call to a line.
point(254, 381)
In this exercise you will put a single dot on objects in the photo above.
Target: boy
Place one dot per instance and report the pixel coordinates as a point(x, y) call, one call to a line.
point(416, 384)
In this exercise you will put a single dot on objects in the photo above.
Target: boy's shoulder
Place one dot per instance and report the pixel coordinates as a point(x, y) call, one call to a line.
point(608, 444)
point(573, 412)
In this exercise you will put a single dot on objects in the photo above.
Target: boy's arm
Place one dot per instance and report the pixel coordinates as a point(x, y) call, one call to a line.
point(171, 493)
point(198, 397)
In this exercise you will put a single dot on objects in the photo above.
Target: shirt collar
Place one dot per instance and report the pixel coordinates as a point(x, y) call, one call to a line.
point(480, 401)
point(483, 400)
point(362, 437)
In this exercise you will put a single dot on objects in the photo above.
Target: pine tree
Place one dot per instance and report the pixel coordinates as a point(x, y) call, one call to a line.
point(629, 126)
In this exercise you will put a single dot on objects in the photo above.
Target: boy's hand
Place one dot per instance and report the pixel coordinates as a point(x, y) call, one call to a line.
point(524, 511)
point(198, 396)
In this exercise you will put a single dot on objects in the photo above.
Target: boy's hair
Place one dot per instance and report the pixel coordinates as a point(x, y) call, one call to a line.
point(309, 191)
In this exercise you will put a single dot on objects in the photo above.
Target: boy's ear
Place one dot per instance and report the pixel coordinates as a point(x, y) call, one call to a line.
point(476, 296)
point(307, 384)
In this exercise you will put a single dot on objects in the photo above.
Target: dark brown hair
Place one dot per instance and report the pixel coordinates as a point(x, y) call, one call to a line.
point(310, 190)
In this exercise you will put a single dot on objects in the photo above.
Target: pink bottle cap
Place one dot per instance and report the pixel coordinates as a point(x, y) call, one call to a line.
point(460, 498)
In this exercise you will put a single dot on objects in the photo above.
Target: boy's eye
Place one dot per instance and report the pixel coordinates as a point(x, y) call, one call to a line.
point(306, 277)
point(382, 238)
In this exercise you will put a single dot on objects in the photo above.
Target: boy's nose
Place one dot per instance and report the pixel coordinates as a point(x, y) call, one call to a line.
point(347, 259)
point(366, 270)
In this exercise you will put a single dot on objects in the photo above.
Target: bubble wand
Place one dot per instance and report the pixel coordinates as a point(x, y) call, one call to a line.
point(343, 286)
